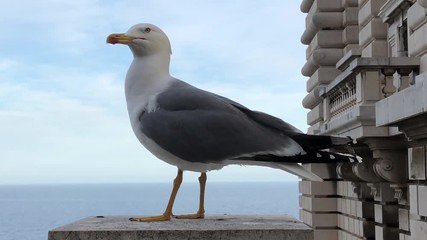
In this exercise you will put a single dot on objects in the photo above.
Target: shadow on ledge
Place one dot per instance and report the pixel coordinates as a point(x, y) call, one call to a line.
point(233, 227)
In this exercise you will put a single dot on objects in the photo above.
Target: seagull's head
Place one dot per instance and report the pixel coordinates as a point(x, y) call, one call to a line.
point(143, 39)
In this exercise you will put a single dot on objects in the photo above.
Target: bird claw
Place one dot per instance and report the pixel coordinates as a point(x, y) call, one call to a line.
point(152, 218)
point(166, 217)
point(190, 216)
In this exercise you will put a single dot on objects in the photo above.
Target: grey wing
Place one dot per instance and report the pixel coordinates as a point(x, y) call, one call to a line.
point(306, 141)
point(265, 119)
point(199, 126)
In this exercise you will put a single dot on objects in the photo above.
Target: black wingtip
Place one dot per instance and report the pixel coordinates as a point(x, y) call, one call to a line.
point(311, 157)
point(318, 142)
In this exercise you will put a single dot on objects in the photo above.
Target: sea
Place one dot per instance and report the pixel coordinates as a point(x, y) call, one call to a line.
point(28, 212)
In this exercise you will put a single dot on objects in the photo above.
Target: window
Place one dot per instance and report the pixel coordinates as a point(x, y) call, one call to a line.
point(402, 47)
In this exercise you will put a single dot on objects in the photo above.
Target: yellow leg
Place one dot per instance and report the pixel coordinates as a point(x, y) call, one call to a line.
point(201, 212)
point(166, 216)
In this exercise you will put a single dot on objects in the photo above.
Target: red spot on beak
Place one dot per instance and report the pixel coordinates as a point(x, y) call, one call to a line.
point(114, 38)
point(113, 41)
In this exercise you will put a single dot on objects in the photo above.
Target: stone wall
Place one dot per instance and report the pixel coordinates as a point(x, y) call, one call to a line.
point(367, 70)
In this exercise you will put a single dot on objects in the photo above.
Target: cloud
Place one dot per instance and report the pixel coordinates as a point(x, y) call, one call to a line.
point(61, 131)
point(7, 64)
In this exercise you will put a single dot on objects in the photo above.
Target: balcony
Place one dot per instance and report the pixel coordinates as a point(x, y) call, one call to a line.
point(349, 100)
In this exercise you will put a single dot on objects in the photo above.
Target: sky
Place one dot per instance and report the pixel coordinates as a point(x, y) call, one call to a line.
point(63, 116)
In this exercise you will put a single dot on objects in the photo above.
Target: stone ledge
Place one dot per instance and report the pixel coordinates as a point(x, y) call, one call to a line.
point(212, 227)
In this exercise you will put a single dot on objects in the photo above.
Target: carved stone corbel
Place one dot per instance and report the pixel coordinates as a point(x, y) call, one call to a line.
point(391, 156)
point(365, 170)
point(359, 171)
point(392, 165)
point(345, 171)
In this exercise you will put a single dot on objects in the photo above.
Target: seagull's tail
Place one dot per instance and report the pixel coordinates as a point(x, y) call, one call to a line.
point(296, 169)
point(317, 156)
point(314, 145)
point(291, 163)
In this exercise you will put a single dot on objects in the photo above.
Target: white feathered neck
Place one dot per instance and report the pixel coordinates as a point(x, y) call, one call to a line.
point(147, 76)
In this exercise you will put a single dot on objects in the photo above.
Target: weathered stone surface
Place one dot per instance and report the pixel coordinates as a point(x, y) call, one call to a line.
point(417, 44)
point(213, 227)
point(369, 10)
point(315, 115)
point(416, 16)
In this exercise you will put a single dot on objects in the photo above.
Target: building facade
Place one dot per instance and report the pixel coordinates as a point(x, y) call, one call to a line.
point(367, 79)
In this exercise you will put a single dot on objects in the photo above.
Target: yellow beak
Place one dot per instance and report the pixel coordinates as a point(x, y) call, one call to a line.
point(119, 38)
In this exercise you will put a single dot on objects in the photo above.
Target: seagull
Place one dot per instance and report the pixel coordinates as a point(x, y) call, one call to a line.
point(200, 131)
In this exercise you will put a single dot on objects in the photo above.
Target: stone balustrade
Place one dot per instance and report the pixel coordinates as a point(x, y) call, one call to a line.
point(350, 97)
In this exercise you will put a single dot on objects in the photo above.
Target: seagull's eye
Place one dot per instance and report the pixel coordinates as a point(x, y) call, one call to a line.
point(147, 30)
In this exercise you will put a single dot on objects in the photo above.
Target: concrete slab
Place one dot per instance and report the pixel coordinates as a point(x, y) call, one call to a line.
point(212, 227)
